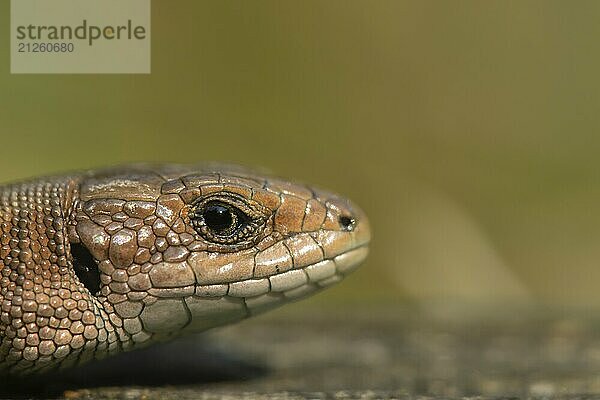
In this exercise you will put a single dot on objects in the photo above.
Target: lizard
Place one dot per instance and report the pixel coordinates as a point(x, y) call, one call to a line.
point(103, 261)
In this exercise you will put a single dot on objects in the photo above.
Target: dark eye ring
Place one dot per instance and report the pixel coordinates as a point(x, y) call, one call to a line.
point(229, 219)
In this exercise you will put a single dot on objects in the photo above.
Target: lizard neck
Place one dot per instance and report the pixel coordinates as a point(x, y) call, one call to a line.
point(48, 317)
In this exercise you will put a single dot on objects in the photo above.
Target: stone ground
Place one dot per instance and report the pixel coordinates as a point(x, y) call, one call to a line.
point(368, 355)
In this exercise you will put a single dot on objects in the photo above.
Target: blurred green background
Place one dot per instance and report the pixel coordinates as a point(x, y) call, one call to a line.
point(469, 131)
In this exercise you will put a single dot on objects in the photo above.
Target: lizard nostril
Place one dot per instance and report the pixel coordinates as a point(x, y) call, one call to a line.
point(346, 222)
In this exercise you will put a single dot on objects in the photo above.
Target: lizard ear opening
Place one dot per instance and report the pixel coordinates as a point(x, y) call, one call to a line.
point(86, 267)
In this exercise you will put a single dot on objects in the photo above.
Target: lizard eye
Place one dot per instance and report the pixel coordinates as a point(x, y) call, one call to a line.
point(228, 219)
point(222, 219)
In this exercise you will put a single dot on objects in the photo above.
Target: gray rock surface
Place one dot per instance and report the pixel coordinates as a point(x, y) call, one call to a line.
point(368, 355)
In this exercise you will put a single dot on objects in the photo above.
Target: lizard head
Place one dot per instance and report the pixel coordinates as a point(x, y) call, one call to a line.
point(180, 249)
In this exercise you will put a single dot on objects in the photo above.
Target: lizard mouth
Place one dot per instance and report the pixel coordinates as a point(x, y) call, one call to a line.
point(264, 294)
point(203, 305)
point(196, 308)
point(289, 285)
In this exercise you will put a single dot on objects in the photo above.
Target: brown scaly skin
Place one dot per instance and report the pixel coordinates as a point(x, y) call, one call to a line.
point(165, 267)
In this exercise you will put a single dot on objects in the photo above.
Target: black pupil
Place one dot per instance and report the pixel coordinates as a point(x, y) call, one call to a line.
point(218, 217)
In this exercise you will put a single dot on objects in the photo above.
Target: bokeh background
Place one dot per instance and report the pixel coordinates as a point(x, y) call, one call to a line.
point(469, 131)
